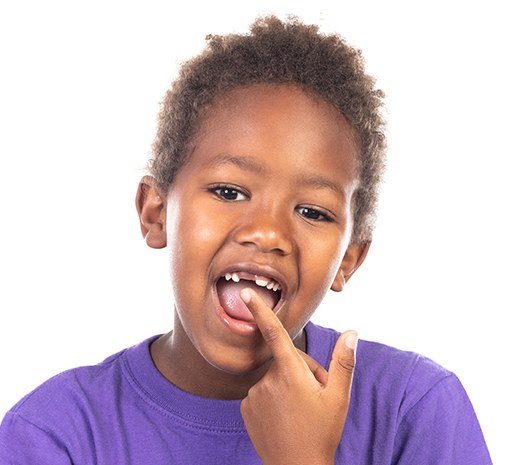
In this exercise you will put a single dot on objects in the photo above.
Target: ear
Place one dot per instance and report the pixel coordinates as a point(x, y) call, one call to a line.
point(353, 258)
point(151, 209)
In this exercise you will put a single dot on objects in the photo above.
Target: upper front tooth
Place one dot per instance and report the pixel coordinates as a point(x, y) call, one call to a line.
point(261, 282)
point(227, 276)
point(270, 285)
point(235, 277)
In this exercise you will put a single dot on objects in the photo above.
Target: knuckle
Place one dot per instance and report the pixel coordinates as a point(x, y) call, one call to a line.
point(270, 333)
point(244, 406)
point(346, 364)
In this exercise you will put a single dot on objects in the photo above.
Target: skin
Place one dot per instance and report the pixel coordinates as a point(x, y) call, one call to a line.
point(267, 191)
point(296, 413)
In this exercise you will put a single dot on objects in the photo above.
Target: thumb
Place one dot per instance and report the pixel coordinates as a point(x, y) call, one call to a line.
point(342, 365)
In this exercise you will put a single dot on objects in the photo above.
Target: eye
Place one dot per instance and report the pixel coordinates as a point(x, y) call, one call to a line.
point(229, 193)
point(314, 214)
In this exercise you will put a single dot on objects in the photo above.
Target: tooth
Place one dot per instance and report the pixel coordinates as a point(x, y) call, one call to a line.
point(261, 282)
point(270, 285)
point(235, 277)
point(227, 276)
point(276, 287)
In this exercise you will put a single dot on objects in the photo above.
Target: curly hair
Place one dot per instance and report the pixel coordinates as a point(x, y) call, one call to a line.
point(277, 52)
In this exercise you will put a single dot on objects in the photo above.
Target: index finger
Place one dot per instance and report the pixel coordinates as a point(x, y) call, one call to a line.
point(271, 328)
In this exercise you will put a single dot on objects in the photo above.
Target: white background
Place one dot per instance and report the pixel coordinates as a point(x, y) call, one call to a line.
point(79, 92)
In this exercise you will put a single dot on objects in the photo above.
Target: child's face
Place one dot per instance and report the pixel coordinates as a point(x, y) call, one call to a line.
point(265, 195)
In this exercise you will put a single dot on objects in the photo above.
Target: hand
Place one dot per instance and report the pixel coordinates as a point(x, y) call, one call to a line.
point(296, 413)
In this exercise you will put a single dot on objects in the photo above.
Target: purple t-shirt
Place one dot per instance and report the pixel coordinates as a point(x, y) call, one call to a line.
point(405, 409)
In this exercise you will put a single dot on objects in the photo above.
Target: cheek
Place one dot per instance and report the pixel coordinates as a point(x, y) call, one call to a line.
point(319, 268)
point(190, 229)
point(193, 238)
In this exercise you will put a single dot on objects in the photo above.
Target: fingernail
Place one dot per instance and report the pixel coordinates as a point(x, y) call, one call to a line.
point(351, 341)
point(245, 295)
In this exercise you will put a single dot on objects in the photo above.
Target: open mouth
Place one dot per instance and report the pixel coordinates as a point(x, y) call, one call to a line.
point(228, 291)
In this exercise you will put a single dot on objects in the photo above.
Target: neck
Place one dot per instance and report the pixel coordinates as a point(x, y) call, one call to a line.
point(177, 359)
point(199, 377)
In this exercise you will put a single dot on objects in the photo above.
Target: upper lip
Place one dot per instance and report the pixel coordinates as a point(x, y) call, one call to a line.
point(254, 271)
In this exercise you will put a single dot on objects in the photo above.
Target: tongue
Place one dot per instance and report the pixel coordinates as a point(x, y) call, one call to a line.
point(229, 297)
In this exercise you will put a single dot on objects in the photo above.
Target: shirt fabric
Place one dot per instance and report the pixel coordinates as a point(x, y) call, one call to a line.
point(405, 409)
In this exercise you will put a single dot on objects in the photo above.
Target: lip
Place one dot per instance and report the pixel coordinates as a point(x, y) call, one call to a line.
point(242, 327)
point(255, 270)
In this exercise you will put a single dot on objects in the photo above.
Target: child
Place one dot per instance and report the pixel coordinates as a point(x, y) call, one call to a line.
point(263, 187)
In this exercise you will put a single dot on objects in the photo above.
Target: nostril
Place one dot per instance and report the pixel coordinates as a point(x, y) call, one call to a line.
point(265, 239)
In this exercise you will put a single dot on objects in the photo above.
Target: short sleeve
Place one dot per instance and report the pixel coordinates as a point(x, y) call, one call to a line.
point(441, 428)
point(23, 443)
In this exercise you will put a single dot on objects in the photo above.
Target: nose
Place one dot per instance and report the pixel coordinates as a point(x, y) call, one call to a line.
point(266, 231)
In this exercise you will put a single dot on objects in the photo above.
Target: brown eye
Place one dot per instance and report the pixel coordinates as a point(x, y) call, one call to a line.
point(229, 193)
point(313, 214)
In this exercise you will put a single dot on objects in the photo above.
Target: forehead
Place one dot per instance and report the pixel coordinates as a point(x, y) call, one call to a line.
point(279, 127)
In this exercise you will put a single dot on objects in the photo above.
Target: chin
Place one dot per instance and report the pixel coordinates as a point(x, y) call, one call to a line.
point(242, 365)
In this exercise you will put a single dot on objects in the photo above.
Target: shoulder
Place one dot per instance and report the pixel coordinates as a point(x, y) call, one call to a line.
point(69, 411)
point(387, 375)
point(379, 361)
point(404, 374)
point(404, 406)
point(66, 386)
point(76, 393)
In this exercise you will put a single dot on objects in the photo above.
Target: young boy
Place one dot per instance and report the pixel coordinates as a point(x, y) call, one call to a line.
point(263, 186)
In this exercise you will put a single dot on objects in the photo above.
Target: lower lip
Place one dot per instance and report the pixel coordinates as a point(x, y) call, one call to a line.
point(244, 328)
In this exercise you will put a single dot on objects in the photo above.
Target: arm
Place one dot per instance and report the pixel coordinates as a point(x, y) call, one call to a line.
point(441, 428)
point(296, 413)
point(23, 443)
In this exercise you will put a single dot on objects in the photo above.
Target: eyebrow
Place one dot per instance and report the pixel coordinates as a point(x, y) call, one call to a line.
point(243, 162)
point(321, 182)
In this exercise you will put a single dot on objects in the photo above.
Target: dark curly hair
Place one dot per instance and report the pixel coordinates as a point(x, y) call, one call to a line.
point(277, 52)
